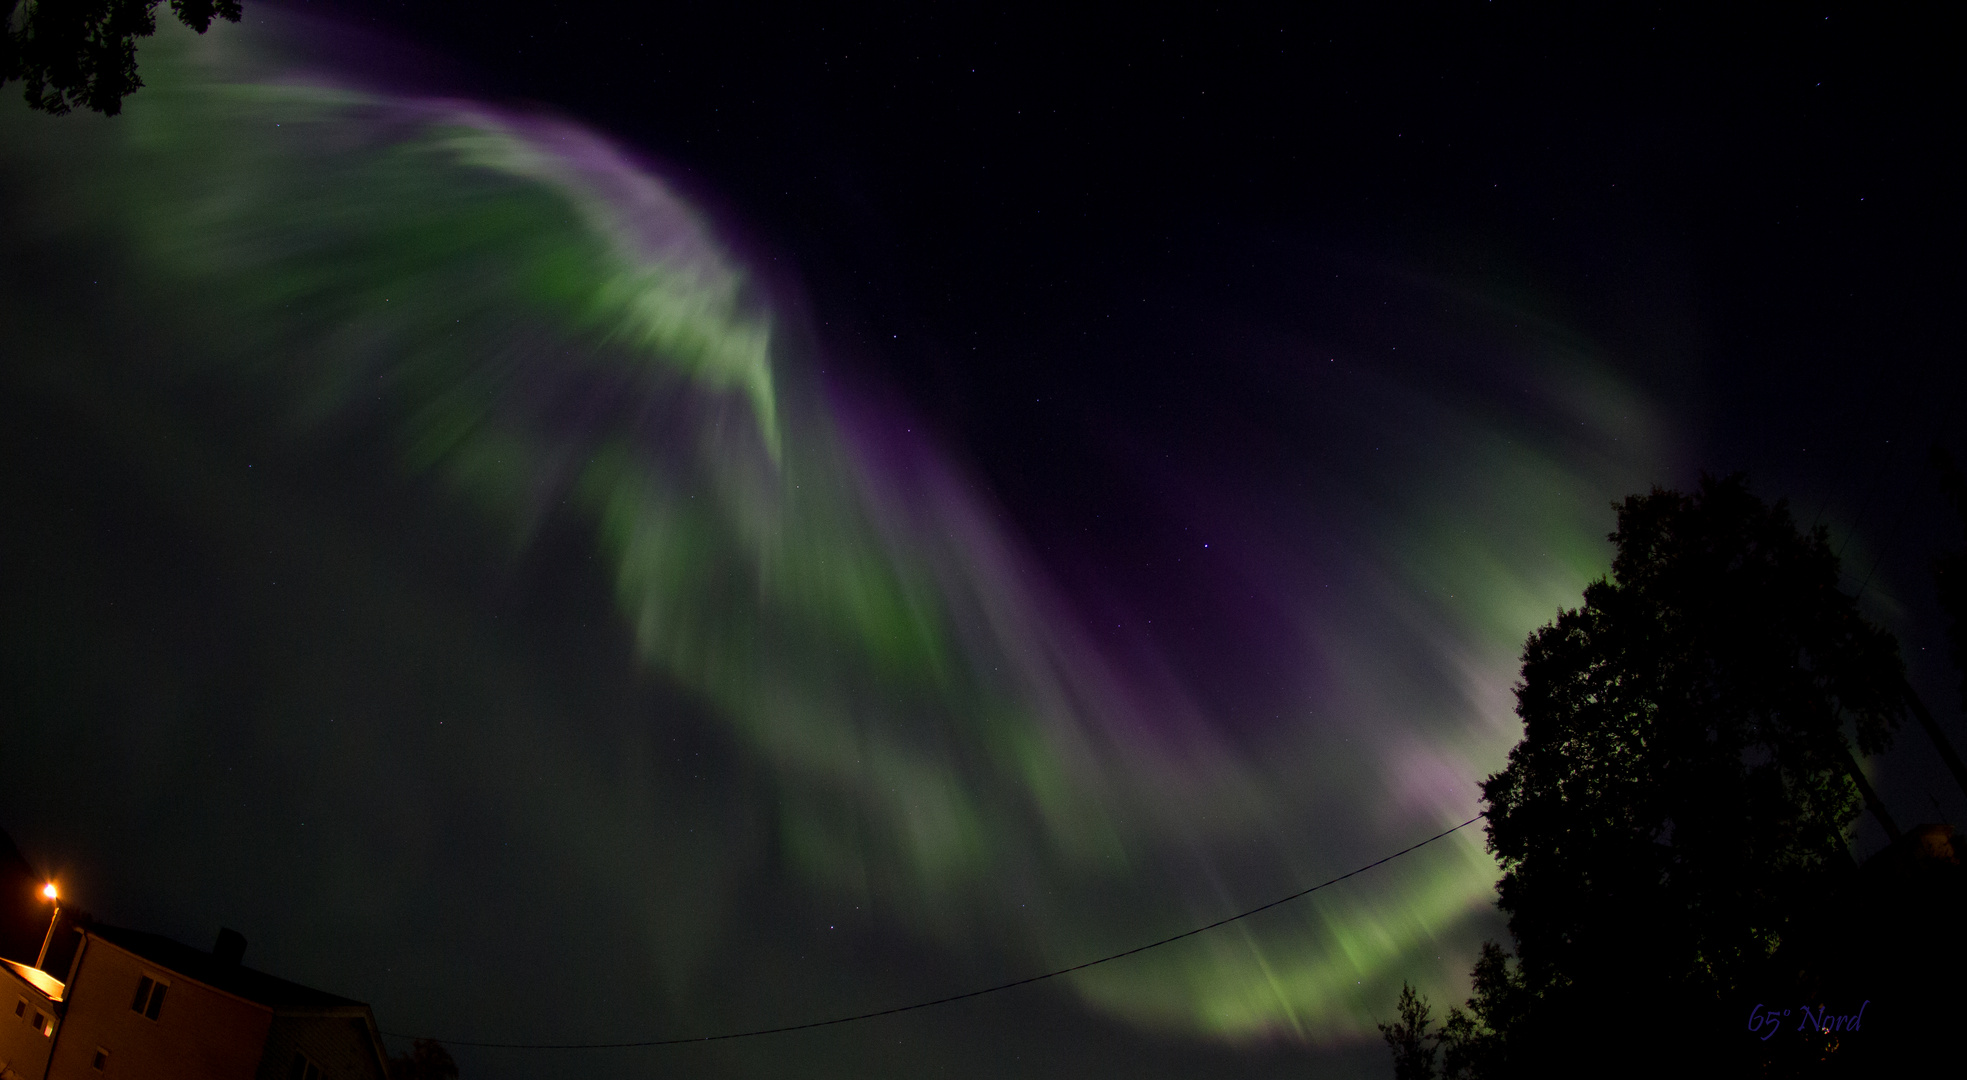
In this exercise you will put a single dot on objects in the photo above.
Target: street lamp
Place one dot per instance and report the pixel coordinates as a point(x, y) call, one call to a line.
point(53, 895)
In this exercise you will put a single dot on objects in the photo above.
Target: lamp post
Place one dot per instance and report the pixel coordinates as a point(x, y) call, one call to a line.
point(52, 894)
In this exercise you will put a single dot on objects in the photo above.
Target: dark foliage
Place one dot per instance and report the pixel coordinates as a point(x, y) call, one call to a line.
point(84, 52)
point(1684, 781)
point(1476, 1041)
point(425, 1060)
point(1672, 827)
point(1409, 1039)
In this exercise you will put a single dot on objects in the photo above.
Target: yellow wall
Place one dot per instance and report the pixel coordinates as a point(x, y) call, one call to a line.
point(199, 1034)
point(23, 1051)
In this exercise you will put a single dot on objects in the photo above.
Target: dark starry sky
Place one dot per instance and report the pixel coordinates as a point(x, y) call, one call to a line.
point(1091, 250)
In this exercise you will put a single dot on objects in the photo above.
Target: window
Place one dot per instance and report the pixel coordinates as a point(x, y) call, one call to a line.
point(42, 1023)
point(20, 1008)
point(102, 1060)
point(304, 1069)
point(150, 996)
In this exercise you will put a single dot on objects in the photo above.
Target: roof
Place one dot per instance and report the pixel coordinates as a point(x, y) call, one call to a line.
point(50, 987)
point(236, 979)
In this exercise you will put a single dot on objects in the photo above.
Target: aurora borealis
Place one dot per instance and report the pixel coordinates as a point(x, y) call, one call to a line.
point(463, 564)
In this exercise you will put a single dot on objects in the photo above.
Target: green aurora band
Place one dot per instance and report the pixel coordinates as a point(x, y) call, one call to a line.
point(539, 327)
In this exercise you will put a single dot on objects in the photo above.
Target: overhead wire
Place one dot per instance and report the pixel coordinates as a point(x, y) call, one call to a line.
point(1026, 981)
point(1864, 506)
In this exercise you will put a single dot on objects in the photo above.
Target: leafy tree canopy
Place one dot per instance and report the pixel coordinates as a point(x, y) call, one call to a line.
point(1684, 779)
point(1409, 1039)
point(72, 53)
point(1678, 805)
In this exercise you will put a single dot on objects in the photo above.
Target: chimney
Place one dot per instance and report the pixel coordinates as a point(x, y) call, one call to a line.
point(230, 948)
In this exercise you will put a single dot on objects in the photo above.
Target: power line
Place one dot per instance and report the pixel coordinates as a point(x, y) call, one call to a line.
point(953, 997)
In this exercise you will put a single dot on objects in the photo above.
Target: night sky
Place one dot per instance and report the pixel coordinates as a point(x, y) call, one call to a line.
point(594, 525)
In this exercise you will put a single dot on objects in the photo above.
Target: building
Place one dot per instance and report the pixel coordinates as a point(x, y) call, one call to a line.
point(137, 1006)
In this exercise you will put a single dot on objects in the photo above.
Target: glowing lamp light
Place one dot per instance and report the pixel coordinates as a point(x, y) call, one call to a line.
point(48, 891)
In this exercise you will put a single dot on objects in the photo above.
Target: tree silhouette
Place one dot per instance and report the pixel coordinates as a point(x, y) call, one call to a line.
point(84, 52)
point(1477, 1042)
point(1474, 1043)
point(1678, 806)
point(1409, 1039)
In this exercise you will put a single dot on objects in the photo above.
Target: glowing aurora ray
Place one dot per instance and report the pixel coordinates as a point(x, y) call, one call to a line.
point(543, 326)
